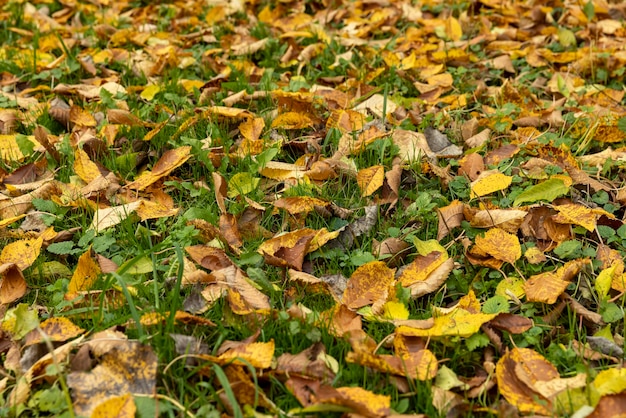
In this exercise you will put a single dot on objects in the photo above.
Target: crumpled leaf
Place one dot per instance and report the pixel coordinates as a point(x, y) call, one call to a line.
point(517, 373)
point(547, 287)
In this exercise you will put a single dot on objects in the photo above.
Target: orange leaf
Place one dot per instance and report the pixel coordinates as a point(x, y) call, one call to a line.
point(547, 287)
point(369, 284)
point(168, 162)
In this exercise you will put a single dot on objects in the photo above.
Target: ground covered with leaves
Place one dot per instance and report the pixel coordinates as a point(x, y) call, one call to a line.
point(366, 208)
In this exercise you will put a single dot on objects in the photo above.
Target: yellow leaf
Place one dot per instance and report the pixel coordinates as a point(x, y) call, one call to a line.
point(257, 354)
point(252, 128)
point(500, 245)
point(296, 205)
point(610, 381)
point(86, 169)
point(292, 120)
point(421, 267)
point(510, 286)
point(421, 365)
point(107, 217)
point(117, 407)
point(489, 182)
point(395, 310)
point(453, 29)
point(377, 405)
point(57, 329)
point(579, 215)
point(22, 253)
point(457, 322)
point(85, 275)
point(190, 85)
point(604, 280)
point(150, 91)
point(370, 179)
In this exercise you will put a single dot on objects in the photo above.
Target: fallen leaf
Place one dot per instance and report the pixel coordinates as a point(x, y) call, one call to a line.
point(369, 284)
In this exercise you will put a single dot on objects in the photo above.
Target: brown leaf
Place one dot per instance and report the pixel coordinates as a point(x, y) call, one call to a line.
point(288, 250)
point(128, 367)
point(610, 406)
point(508, 220)
point(210, 258)
point(471, 165)
point(513, 324)
point(450, 217)
point(12, 283)
point(310, 362)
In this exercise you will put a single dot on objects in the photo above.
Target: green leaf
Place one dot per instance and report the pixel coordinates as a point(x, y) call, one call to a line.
point(45, 205)
point(19, 321)
point(141, 265)
point(589, 10)
point(621, 123)
point(476, 341)
point(62, 248)
point(242, 184)
point(611, 313)
point(496, 304)
point(568, 249)
point(548, 190)
point(566, 37)
point(25, 145)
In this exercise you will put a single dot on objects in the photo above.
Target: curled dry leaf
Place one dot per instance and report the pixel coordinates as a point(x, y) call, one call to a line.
point(547, 287)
